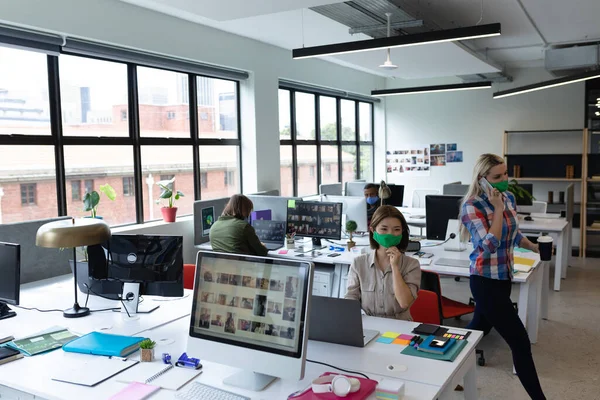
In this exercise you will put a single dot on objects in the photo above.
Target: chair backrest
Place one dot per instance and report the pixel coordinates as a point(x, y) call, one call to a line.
point(431, 281)
point(455, 189)
point(425, 309)
point(418, 197)
point(189, 274)
point(539, 207)
point(334, 189)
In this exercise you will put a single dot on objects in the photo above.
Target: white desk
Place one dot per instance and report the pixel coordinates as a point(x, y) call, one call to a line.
point(533, 293)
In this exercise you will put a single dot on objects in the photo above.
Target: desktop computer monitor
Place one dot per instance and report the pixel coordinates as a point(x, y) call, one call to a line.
point(315, 220)
point(354, 208)
point(251, 313)
point(10, 277)
point(152, 265)
point(397, 196)
point(524, 200)
point(438, 210)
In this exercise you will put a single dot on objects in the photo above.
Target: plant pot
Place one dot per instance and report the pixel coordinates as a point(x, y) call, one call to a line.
point(147, 355)
point(169, 213)
point(351, 244)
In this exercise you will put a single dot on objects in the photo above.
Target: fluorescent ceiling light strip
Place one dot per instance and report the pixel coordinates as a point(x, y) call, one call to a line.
point(547, 84)
point(431, 89)
point(417, 39)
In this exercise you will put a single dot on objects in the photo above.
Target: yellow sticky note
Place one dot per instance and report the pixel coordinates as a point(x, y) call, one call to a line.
point(291, 203)
point(392, 335)
point(524, 261)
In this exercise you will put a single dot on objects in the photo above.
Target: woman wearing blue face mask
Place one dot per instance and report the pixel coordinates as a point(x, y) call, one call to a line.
point(385, 280)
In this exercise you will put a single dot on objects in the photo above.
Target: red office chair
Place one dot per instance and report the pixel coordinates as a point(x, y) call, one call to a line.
point(189, 273)
point(448, 308)
point(426, 309)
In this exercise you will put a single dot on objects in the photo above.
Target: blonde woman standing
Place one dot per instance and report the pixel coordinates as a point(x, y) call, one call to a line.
point(489, 218)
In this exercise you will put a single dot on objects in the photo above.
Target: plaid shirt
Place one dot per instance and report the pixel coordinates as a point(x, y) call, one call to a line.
point(491, 258)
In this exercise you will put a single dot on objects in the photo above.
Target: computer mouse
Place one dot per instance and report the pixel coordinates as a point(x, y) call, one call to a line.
point(528, 218)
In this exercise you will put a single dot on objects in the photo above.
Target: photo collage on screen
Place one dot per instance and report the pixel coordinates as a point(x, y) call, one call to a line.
point(250, 306)
point(315, 219)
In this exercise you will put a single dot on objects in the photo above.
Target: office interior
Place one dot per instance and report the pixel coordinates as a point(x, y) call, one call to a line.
point(133, 92)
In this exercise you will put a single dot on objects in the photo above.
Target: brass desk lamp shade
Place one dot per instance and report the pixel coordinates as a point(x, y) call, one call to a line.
point(73, 233)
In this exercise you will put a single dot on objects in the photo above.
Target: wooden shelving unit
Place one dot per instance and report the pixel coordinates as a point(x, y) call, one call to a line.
point(547, 163)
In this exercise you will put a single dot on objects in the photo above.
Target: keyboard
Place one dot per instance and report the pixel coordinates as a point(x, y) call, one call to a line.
point(452, 262)
point(198, 391)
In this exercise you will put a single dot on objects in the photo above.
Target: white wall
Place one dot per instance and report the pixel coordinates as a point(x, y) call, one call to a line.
point(476, 122)
point(118, 23)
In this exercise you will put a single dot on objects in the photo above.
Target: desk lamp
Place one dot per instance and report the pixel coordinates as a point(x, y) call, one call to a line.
point(384, 192)
point(73, 233)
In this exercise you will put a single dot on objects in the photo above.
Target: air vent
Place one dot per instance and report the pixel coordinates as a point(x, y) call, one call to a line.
point(571, 60)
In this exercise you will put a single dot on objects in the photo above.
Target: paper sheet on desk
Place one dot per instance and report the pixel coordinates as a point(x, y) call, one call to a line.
point(91, 370)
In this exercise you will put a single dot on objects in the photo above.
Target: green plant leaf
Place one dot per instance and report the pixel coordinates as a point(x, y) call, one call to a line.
point(108, 191)
point(180, 194)
point(166, 193)
point(147, 344)
point(351, 226)
point(91, 200)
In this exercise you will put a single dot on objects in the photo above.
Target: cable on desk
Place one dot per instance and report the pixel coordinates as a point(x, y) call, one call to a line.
point(452, 236)
point(339, 369)
point(35, 309)
point(104, 297)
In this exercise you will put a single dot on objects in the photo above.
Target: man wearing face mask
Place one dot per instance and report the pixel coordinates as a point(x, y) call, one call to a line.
point(385, 280)
point(371, 192)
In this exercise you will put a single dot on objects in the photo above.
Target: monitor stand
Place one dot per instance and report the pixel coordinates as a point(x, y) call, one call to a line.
point(6, 312)
point(131, 301)
point(249, 380)
point(316, 244)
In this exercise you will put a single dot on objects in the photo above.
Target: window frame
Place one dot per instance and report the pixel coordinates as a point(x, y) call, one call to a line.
point(294, 142)
point(30, 191)
point(130, 115)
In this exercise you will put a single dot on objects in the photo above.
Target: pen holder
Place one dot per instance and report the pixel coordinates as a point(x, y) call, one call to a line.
point(289, 243)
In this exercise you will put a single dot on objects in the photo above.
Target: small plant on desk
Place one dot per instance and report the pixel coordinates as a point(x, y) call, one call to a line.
point(147, 350)
point(518, 191)
point(351, 227)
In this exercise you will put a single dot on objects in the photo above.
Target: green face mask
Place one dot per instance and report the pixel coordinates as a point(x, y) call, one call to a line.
point(387, 240)
point(501, 186)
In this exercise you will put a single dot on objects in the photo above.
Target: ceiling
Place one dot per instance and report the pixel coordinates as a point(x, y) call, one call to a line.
point(528, 28)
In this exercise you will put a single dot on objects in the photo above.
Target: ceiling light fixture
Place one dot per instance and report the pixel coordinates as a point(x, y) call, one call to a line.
point(388, 63)
point(432, 89)
point(548, 84)
point(449, 35)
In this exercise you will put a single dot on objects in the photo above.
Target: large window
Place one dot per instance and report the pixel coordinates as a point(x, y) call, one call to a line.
point(116, 123)
point(324, 139)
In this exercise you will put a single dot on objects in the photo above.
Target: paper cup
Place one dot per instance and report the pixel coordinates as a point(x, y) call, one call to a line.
point(545, 243)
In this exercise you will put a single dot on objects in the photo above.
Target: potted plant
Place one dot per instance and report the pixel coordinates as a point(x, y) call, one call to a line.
point(518, 191)
point(351, 227)
point(92, 199)
point(147, 350)
point(169, 212)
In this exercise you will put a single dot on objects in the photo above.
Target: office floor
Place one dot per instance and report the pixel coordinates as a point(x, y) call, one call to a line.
point(567, 354)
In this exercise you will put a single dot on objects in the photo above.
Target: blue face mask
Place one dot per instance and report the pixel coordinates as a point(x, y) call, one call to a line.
point(372, 200)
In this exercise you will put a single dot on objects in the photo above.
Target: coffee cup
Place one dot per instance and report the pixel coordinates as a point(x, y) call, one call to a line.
point(545, 243)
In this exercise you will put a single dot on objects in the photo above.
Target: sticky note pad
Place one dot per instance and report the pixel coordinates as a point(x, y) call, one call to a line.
point(402, 342)
point(404, 336)
point(291, 203)
point(385, 340)
point(283, 251)
point(524, 261)
point(392, 335)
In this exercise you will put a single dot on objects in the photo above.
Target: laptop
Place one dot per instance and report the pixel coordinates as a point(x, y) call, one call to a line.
point(271, 233)
point(338, 321)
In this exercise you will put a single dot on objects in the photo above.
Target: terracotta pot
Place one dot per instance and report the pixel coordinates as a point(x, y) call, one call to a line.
point(147, 355)
point(169, 213)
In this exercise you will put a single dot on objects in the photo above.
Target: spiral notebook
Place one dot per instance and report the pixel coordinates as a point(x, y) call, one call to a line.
point(166, 376)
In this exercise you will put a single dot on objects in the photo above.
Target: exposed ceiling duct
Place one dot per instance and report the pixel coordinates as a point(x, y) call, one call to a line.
point(561, 61)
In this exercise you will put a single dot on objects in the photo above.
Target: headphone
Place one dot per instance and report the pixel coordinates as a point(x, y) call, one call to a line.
point(339, 385)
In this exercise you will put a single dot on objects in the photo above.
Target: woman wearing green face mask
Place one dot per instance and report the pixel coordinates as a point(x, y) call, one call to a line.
point(385, 280)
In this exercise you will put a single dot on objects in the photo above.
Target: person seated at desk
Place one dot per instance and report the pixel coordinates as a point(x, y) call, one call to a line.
point(232, 233)
point(371, 192)
point(385, 280)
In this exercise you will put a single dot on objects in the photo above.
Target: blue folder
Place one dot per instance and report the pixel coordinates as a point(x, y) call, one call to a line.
point(104, 344)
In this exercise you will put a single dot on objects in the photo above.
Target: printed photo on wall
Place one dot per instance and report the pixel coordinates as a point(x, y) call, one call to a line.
point(454, 156)
point(438, 161)
point(438, 149)
point(411, 161)
point(451, 147)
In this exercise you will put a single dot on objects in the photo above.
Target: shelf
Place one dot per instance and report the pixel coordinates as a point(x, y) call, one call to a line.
point(546, 155)
point(548, 179)
point(593, 180)
point(593, 229)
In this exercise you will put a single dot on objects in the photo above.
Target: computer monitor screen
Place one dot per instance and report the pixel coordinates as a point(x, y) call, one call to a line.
point(354, 208)
point(251, 313)
point(155, 262)
point(10, 277)
point(525, 200)
point(397, 196)
point(269, 231)
point(438, 210)
point(315, 219)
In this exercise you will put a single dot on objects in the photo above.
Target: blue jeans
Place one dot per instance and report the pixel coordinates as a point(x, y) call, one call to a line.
point(494, 309)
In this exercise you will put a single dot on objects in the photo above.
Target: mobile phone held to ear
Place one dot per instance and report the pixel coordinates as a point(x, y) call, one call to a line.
point(485, 186)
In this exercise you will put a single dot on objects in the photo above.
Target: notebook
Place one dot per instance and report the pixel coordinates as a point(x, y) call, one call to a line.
point(522, 264)
point(41, 342)
point(436, 345)
point(135, 391)
point(450, 355)
point(166, 376)
point(91, 370)
point(104, 344)
point(7, 355)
